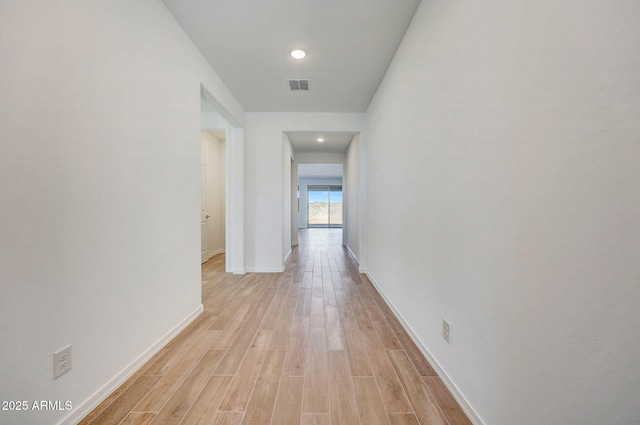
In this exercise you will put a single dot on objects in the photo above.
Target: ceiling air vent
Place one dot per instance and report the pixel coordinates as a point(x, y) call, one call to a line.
point(296, 85)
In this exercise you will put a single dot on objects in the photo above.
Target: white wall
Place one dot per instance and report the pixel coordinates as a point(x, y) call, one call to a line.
point(320, 158)
point(210, 119)
point(215, 194)
point(503, 195)
point(303, 183)
point(99, 187)
point(352, 189)
point(264, 168)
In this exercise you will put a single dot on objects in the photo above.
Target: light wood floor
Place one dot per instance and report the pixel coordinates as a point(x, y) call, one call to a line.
point(316, 345)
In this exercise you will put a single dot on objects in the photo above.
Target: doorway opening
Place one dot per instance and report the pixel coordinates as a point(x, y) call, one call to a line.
point(220, 123)
point(212, 193)
point(324, 206)
point(319, 193)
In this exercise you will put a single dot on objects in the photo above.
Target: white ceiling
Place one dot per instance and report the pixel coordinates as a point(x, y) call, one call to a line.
point(307, 141)
point(350, 44)
point(320, 171)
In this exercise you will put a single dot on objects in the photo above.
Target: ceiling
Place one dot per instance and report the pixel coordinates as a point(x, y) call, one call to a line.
point(349, 45)
point(307, 141)
point(320, 171)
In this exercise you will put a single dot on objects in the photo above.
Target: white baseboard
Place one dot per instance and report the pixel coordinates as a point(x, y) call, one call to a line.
point(286, 257)
point(361, 268)
point(265, 269)
point(216, 252)
point(351, 253)
point(462, 401)
point(99, 396)
point(240, 271)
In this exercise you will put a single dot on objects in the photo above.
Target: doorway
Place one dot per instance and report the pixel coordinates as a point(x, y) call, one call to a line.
point(214, 117)
point(321, 181)
point(212, 214)
point(324, 206)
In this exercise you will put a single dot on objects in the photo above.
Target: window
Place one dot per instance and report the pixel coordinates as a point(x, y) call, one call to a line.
point(325, 206)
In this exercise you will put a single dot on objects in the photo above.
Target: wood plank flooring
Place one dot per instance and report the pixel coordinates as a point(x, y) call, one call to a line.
point(316, 345)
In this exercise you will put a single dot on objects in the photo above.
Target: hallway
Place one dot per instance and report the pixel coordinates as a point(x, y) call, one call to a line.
point(314, 345)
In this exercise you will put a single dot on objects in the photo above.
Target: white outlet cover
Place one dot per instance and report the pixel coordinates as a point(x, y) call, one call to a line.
point(61, 362)
point(445, 330)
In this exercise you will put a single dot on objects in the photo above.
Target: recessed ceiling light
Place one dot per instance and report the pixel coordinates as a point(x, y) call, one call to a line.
point(297, 53)
point(320, 139)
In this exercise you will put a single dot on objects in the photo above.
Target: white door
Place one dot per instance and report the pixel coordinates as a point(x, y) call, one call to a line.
point(204, 257)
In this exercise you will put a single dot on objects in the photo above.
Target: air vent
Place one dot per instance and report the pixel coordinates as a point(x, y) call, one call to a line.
point(296, 85)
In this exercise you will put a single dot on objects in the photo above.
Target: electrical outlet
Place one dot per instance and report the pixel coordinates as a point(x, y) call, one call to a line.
point(61, 362)
point(445, 330)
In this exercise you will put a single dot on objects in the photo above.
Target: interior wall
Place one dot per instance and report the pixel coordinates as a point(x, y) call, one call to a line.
point(320, 158)
point(264, 193)
point(303, 184)
point(99, 232)
point(210, 119)
point(508, 203)
point(351, 189)
point(215, 194)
